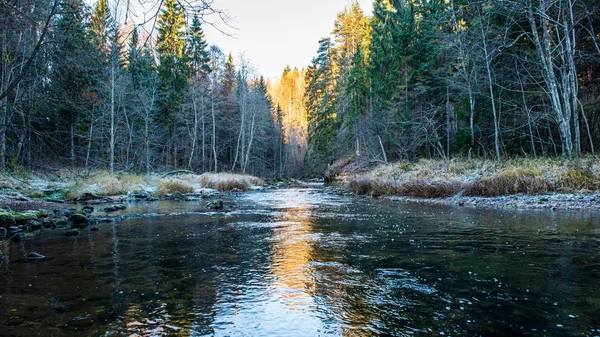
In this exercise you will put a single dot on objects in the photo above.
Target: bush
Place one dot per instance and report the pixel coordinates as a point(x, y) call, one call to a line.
point(228, 182)
point(167, 186)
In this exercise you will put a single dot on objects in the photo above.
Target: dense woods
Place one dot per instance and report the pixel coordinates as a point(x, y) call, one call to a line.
point(487, 79)
point(87, 87)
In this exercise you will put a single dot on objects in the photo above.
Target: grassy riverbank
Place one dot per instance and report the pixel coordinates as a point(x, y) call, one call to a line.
point(69, 185)
point(478, 178)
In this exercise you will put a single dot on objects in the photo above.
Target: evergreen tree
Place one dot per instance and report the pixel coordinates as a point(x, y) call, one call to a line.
point(99, 27)
point(71, 76)
point(172, 68)
point(197, 48)
point(320, 104)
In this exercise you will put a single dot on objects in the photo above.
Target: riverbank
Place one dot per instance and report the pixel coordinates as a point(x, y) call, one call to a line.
point(75, 202)
point(517, 183)
point(30, 190)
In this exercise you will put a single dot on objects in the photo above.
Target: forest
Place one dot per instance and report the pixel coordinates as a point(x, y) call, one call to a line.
point(84, 86)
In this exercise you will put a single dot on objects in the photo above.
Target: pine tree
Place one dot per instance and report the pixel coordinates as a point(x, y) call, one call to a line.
point(197, 48)
point(320, 104)
point(172, 68)
point(99, 27)
point(71, 72)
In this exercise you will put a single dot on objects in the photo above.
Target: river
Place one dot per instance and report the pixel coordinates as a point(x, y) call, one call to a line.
point(301, 262)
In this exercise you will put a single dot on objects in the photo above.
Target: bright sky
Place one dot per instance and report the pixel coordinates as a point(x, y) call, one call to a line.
point(275, 33)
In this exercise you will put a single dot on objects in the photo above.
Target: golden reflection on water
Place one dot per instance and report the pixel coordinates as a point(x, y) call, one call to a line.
point(292, 253)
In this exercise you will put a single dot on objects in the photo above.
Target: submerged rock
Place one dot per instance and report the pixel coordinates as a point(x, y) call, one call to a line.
point(73, 232)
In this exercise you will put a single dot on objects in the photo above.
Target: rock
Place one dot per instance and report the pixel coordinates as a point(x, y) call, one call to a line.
point(110, 209)
point(24, 218)
point(87, 197)
point(7, 220)
point(33, 256)
point(215, 204)
point(177, 195)
point(138, 194)
point(79, 218)
point(19, 237)
point(35, 225)
point(120, 207)
point(1, 255)
point(94, 229)
point(88, 209)
point(61, 222)
point(14, 229)
point(73, 232)
point(3, 232)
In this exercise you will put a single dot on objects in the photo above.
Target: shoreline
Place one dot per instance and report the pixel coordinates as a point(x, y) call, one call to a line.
point(547, 202)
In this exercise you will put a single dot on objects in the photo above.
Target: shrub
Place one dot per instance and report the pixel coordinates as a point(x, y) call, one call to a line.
point(228, 182)
point(167, 186)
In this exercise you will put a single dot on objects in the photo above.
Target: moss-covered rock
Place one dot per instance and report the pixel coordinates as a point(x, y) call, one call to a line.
point(79, 218)
point(7, 219)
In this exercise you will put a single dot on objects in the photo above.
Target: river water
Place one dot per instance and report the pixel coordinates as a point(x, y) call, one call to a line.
point(299, 262)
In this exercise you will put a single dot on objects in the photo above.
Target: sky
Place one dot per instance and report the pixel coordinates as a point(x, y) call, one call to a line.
point(276, 33)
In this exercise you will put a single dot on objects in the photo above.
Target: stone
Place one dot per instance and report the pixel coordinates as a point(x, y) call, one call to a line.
point(215, 204)
point(7, 220)
point(19, 237)
point(24, 218)
point(138, 194)
point(73, 232)
point(35, 225)
point(3, 232)
point(109, 209)
point(94, 229)
point(88, 209)
point(177, 195)
point(79, 218)
point(14, 229)
point(33, 256)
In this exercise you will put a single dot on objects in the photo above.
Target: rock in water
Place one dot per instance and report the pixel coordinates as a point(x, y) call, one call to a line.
point(79, 218)
point(33, 256)
point(73, 232)
point(3, 232)
point(88, 209)
point(7, 220)
point(19, 237)
point(216, 204)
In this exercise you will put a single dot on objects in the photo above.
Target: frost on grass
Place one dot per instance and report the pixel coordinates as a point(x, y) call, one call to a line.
point(440, 178)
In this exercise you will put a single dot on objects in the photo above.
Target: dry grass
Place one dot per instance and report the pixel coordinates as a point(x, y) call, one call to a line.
point(439, 179)
point(228, 182)
point(167, 186)
point(105, 184)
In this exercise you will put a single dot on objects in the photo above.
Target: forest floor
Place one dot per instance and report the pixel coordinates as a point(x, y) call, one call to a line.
point(549, 183)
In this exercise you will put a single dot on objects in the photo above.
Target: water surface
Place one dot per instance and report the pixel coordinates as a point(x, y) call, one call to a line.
point(299, 262)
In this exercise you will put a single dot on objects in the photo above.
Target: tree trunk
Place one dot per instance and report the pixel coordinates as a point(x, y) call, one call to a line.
point(112, 119)
point(491, 86)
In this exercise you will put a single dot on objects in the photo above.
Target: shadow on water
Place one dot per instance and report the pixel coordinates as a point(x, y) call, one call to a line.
point(299, 262)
